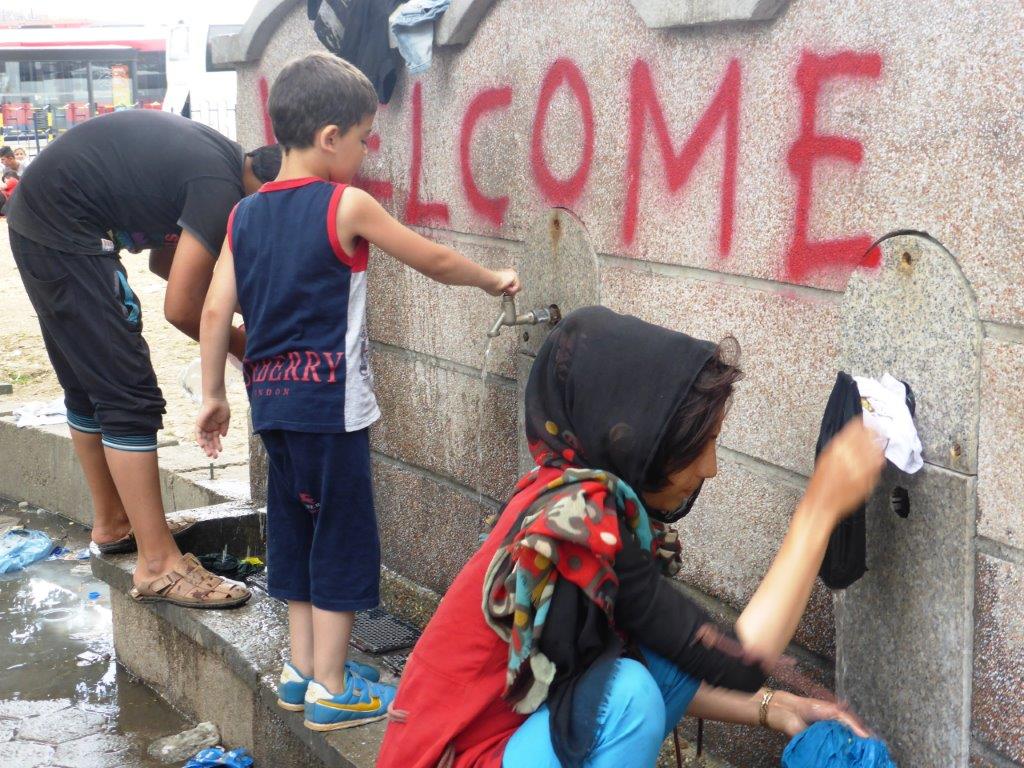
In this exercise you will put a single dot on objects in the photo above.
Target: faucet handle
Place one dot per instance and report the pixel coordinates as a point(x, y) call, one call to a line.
point(508, 308)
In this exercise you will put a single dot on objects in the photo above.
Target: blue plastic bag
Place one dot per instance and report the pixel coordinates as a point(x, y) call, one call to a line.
point(20, 547)
point(830, 744)
point(215, 757)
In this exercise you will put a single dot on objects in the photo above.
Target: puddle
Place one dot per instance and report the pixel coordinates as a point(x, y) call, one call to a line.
point(56, 643)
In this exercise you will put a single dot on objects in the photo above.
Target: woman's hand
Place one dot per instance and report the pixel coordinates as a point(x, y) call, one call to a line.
point(790, 714)
point(846, 472)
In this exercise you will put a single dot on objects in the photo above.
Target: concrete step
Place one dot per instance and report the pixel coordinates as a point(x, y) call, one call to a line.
point(222, 666)
point(39, 466)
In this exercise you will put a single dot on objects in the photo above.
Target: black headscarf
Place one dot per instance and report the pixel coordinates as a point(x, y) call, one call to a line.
point(604, 388)
point(601, 394)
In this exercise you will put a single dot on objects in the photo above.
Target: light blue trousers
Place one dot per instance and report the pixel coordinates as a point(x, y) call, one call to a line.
point(641, 707)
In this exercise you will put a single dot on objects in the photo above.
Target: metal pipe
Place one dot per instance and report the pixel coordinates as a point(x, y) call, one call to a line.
point(547, 316)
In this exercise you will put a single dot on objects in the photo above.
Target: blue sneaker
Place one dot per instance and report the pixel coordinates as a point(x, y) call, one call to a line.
point(291, 688)
point(364, 671)
point(361, 702)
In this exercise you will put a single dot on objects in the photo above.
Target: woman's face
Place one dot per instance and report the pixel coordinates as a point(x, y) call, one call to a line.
point(684, 482)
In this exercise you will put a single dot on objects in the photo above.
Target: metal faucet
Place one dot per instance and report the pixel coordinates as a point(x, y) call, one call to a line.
point(546, 316)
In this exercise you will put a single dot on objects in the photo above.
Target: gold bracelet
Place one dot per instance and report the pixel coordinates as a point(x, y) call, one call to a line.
point(762, 715)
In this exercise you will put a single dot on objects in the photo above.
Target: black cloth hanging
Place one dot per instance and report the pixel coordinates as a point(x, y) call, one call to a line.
point(846, 557)
point(357, 31)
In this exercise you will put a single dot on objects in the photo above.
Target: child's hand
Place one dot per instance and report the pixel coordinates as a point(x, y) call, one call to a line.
point(505, 281)
point(211, 425)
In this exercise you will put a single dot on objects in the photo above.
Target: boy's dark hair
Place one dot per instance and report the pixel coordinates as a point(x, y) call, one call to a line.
point(698, 414)
point(266, 162)
point(6, 151)
point(315, 91)
point(9, 174)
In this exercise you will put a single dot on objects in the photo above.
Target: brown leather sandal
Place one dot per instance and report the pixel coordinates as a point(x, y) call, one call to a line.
point(127, 543)
point(192, 586)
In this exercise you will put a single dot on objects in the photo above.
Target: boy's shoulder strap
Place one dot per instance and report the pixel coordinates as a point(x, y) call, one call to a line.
point(357, 260)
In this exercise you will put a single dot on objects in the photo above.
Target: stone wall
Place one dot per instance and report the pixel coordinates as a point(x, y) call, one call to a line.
point(730, 177)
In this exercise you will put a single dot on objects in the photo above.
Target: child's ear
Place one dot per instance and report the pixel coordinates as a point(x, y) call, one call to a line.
point(329, 136)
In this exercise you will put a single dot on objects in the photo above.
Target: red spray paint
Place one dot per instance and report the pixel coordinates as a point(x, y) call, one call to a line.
point(805, 257)
point(491, 208)
point(562, 192)
point(724, 110)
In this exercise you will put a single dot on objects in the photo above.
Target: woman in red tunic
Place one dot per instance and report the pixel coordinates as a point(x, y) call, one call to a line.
point(563, 640)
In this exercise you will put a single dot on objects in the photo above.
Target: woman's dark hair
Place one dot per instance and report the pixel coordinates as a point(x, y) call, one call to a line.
point(693, 423)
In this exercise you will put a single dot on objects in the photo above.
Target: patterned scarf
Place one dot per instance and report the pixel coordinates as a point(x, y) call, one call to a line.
point(571, 530)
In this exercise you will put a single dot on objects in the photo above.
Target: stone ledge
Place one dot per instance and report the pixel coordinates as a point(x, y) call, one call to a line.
point(689, 13)
point(41, 468)
point(237, 524)
point(459, 22)
point(181, 651)
point(223, 665)
point(228, 51)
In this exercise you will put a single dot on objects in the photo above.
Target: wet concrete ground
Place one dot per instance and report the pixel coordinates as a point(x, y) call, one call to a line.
point(58, 710)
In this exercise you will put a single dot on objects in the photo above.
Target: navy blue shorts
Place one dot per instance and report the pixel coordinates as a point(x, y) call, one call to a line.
point(322, 543)
point(91, 322)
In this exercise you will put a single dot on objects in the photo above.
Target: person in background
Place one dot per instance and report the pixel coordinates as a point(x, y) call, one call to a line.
point(9, 183)
point(134, 180)
point(22, 158)
point(9, 159)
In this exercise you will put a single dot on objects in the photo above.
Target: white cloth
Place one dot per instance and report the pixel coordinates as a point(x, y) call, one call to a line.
point(885, 411)
point(36, 414)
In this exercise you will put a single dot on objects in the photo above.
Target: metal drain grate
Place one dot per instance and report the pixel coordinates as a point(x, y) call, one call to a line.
point(396, 662)
point(377, 631)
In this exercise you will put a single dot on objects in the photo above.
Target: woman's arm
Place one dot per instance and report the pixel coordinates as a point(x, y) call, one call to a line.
point(846, 472)
point(785, 713)
point(726, 706)
point(659, 616)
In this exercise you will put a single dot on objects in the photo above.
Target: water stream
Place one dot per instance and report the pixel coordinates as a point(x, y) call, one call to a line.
point(480, 423)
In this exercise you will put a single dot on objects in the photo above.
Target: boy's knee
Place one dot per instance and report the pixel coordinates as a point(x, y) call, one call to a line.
point(634, 699)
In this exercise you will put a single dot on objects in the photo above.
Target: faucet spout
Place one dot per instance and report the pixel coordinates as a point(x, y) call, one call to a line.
point(496, 328)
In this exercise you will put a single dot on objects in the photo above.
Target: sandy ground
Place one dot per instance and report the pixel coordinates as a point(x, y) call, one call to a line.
point(24, 363)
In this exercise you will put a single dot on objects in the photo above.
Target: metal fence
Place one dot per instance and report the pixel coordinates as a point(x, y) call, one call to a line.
point(33, 129)
point(219, 115)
